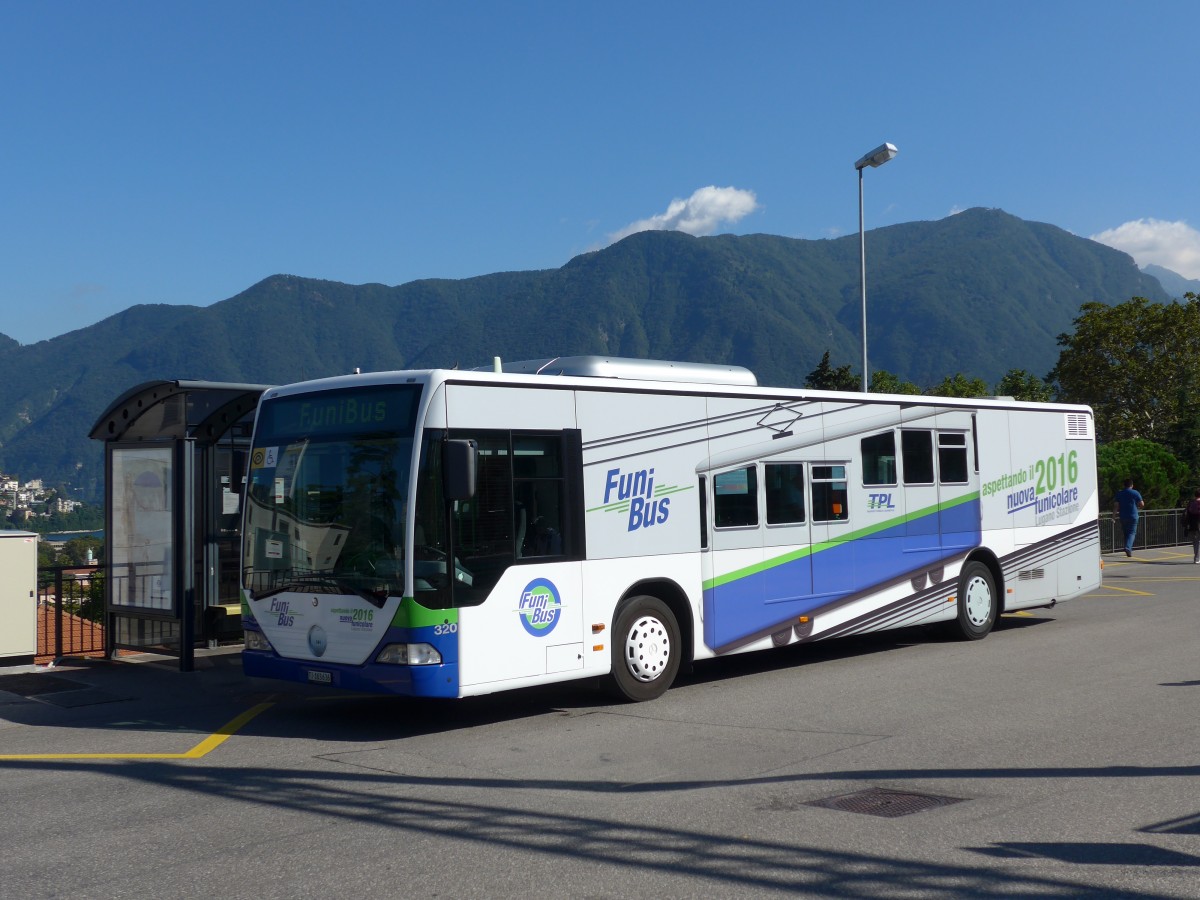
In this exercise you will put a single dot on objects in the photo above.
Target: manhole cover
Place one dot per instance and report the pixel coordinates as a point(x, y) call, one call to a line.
point(32, 684)
point(882, 802)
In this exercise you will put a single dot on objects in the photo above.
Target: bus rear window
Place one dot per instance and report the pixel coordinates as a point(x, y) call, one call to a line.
point(735, 498)
point(917, 450)
point(952, 458)
point(829, 494)
point(879, 459)
point(785, 493)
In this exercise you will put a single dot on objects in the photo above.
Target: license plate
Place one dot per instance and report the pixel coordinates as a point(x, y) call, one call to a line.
point(320, 677)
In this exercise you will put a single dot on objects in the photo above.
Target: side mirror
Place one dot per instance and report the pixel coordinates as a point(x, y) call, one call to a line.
point(459, 464)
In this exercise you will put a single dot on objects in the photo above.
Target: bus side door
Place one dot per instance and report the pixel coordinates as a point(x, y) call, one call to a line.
point(833, 563)
point(733, 576)
point(922, 530)
point(958, 482)
point(787, 542)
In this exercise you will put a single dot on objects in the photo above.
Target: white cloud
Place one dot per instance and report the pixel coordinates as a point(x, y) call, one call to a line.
point(1172, 245)
point(700, 214)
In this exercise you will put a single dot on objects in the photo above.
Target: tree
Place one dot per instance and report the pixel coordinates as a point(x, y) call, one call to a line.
point(75, 551)
point(1021, 385)
point(87, 517)
point(1183, 437)
point(1161, 479)
point(91, 604)
point(884, 382)
point(1132, 363)
point(959, 385)
point(826, 378)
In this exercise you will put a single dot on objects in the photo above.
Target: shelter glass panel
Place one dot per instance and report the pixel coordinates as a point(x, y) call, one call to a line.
point(142, 528)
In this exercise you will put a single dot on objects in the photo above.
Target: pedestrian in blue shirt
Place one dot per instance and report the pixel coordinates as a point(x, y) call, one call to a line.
point(1126, 505)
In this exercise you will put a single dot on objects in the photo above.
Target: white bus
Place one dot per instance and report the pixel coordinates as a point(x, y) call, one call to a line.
point(450, 533)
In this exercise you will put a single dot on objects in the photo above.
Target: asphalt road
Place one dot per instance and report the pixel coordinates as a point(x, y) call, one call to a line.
point(1060, 757)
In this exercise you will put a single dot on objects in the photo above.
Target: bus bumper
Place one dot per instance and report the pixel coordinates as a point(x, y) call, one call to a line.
point(409, 681)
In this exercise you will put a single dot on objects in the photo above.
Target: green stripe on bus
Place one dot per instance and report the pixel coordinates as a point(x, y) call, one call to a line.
point(412, 614)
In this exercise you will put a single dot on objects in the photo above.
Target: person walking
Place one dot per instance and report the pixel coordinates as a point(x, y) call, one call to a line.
point(1126, 504)
point(1191, 525)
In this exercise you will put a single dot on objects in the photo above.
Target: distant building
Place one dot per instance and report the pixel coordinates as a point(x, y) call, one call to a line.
point(32, 499)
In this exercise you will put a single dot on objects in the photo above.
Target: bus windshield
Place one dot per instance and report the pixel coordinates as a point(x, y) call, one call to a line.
point(327, 493)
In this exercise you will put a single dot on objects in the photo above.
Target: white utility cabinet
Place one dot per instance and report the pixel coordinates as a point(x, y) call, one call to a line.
point(18, 597)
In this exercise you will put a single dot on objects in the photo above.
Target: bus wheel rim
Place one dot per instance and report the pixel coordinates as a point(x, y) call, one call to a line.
point(979, 601)
point(647, 649)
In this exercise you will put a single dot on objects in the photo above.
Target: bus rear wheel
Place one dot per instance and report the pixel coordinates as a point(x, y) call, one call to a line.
point(977, 605)
point(646, 649)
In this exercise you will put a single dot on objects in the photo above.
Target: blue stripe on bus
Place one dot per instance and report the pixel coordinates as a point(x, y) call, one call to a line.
point(774, 596)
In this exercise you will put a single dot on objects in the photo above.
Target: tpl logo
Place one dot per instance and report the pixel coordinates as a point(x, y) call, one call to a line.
point(880, 501)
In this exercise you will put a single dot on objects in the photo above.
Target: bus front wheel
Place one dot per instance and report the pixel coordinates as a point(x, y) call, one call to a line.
point(646, 649)
point(977, 605)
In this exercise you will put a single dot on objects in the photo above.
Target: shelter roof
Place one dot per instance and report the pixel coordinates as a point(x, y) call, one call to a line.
point(157, 410)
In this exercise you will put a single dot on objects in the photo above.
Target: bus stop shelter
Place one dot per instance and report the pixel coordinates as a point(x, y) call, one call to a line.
point(175, 455)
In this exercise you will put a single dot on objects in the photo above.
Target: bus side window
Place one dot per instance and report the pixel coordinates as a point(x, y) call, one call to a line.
point(703, 513)
point(539, 490)
point(916, 448)
point(879, 459)
point(785, 493)
point(485, 525)
point(952, 458)
point(829, 494)
point(735, 498)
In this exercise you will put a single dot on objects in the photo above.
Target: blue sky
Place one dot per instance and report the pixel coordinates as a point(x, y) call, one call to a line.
point(165, 152)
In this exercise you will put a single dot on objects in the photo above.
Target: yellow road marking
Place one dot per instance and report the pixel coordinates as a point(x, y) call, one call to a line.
point(1168, 580)
point(206, 746)
point(1113, 587)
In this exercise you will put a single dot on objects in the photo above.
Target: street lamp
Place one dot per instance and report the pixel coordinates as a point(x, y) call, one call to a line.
point(874, 159)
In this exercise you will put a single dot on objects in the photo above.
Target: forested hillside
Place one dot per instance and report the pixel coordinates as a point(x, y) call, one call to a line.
point(981, 292)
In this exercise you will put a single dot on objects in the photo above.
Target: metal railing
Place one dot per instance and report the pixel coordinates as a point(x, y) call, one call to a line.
point(1156, 528)
point(70, 612)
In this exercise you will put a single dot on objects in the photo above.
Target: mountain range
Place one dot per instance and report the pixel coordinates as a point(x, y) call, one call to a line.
point(1173, 283)
point(980, 292)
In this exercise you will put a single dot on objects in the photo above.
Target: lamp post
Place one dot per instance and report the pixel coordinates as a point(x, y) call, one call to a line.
point(874, 159)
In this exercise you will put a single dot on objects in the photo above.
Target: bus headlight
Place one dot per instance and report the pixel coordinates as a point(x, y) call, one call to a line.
point(255, 640)
point(409, 655)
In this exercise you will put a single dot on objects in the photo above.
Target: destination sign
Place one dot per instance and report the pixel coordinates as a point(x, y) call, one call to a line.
point(389, 409)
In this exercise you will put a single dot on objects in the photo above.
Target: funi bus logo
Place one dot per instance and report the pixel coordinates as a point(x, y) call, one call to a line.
point(540, 607)
point(635, 492)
